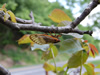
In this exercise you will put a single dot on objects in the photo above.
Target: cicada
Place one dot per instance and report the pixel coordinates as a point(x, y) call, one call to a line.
point(43, 39)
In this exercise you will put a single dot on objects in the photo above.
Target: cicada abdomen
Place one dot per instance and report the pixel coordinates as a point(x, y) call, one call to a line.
point(43, 39)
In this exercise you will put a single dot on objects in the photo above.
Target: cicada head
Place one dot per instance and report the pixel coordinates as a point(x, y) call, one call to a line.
point(56, 40)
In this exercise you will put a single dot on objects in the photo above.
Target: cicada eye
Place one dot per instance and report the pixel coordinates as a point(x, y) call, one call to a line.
point(56, 40)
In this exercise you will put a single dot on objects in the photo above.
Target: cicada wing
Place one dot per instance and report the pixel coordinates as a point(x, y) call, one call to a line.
point(37, 39)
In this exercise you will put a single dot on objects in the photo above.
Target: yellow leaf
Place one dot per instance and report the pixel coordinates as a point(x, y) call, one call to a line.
point(25, 39)
point(3, 7)
point(86, 47)
point(97, 73)
point(58, 16)
point(6, 16)
point(13, 18)
point(90, 69)
point(63, 23)
point(91, 54)
point(48, 67)
point(92, 65)
point(93, 48)
point(32, 43)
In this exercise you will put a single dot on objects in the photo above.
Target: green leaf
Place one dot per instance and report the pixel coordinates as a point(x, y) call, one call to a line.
point(61, 73)
point(65, 65)
point(77, 59)
point(48, 54)
point(70, 45)
point(75, 35)
point(98, 66)
point(65, 37)
point(61, 68)
point(43, 47)
point(90, 69)
point(55, 50)
point(97, 73)
point(48, 67)
point(85, 73)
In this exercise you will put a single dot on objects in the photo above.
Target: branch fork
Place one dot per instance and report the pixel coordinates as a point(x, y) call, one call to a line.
point(33, 26)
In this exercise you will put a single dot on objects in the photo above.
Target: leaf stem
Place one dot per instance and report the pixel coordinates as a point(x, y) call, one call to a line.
point(81, 63)
point(66, 71)
point(80, 69)
point(54, 62)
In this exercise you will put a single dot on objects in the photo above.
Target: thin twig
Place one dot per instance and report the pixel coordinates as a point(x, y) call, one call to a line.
point(32, 17)
point(81, 32)
point(46, 72)
point(19, 20)
point(54, 61)
point(86, 12)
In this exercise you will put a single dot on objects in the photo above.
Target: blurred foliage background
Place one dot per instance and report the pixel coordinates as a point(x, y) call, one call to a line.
point(41, 9)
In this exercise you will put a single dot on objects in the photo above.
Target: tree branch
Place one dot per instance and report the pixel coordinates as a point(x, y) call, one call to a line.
point(82, 32)
point(31, 25)
point(4, 71)
point(19, 20)
point(86, 12)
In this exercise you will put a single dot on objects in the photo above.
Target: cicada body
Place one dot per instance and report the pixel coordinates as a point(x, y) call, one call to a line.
point(43, 39)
